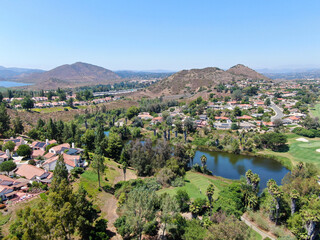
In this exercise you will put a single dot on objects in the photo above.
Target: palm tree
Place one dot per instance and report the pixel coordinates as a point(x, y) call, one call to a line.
point(191, 153)
point(209, 193)
point(249, 175)
point(255, 179)
point(203, 160)
point(294, 195)
point(276, 194)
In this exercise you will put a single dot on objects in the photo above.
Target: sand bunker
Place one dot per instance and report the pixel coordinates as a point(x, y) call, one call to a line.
point(318, 150)
point(302, 140)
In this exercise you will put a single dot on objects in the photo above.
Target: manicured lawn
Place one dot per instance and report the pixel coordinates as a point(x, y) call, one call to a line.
point(194, 182)
point(315, 112)
point(300, 151)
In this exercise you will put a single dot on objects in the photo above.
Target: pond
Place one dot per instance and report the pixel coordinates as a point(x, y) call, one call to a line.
point(234, 166)
point(8, 84)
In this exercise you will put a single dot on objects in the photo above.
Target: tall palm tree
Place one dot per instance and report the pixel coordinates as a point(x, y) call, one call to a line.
point(203, 160)
point(210, 192)
point(191, 153)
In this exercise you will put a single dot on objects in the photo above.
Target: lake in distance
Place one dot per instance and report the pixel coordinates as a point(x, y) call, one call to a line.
point(8, 84)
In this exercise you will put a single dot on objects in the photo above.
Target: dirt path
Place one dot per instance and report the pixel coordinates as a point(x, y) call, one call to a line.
point(252, 225)
point(110, 206)
point(129, 175)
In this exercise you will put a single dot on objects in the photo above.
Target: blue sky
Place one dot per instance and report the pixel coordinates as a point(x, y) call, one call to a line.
point(166, 34)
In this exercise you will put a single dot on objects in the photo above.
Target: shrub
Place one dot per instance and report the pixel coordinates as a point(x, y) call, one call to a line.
point(178, 182)
point(151, 228)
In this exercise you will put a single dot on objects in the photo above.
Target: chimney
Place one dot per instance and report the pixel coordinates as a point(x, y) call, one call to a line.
point(75, 162)
point(47, 141)
point(72, 145)
point(8, 152)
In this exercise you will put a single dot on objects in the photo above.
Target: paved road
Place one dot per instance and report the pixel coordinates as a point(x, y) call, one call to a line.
point(277, 110)
point(255, 228)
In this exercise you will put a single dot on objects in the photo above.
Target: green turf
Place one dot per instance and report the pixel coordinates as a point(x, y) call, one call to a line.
point(194, 182)
point(300, 151)
point(315, 112)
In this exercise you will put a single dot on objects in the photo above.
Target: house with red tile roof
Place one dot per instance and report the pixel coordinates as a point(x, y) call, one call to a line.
point(60, 148)
point(221, 118)
point(156, 120)
point(32, 173)
point(71, 162)
point(244, 117)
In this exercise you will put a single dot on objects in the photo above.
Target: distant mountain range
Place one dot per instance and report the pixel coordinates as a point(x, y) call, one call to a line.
point(8, 73)
point(292, 74)
point(188, 81)
point(70, 75)
point(75, 75)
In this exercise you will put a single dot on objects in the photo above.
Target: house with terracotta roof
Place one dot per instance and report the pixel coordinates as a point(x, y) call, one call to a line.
point(221, 118)
point(37, 153)
point(258, 104)
point(60, 148)
point(4, 156)
point(145, 116)
point(33, 173)
point(156, 120)
point(244, 117)
point(71, 162)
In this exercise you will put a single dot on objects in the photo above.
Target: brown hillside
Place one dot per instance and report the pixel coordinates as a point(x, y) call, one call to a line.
point(77, 74)
point(246, 72)
point(189, 81)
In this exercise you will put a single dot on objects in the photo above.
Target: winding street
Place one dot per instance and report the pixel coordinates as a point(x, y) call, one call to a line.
point(277, 110)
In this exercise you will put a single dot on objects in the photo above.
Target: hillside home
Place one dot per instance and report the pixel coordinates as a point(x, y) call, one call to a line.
point(33, 173)
point(244, 117)
point(18, 141)
point(71, 161)
point(222, 125)
point(60, 148)
point(4, 156)
point(156, 120)
point(145, 116)
point(247, 125)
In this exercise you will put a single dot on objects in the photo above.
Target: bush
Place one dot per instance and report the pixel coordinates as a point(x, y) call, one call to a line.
point(304, 132)
point(151, 228)
point(178, 182)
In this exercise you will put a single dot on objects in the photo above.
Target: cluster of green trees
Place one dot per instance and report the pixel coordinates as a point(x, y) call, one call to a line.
point(5, 129)
point(144, 212)
point(296, 203)
point(163, 159)
point(156, 105)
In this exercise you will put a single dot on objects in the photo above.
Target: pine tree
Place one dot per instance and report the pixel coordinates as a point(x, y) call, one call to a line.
point(60, 173)
point(4, 119)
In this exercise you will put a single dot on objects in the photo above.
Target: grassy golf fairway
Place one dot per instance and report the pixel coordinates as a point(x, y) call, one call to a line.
point(196, 181)
point(300, 151)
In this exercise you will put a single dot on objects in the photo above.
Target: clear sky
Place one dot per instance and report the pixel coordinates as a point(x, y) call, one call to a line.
point(160, 34)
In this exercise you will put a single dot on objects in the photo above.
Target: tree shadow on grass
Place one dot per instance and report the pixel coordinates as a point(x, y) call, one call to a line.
point(282, 148)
